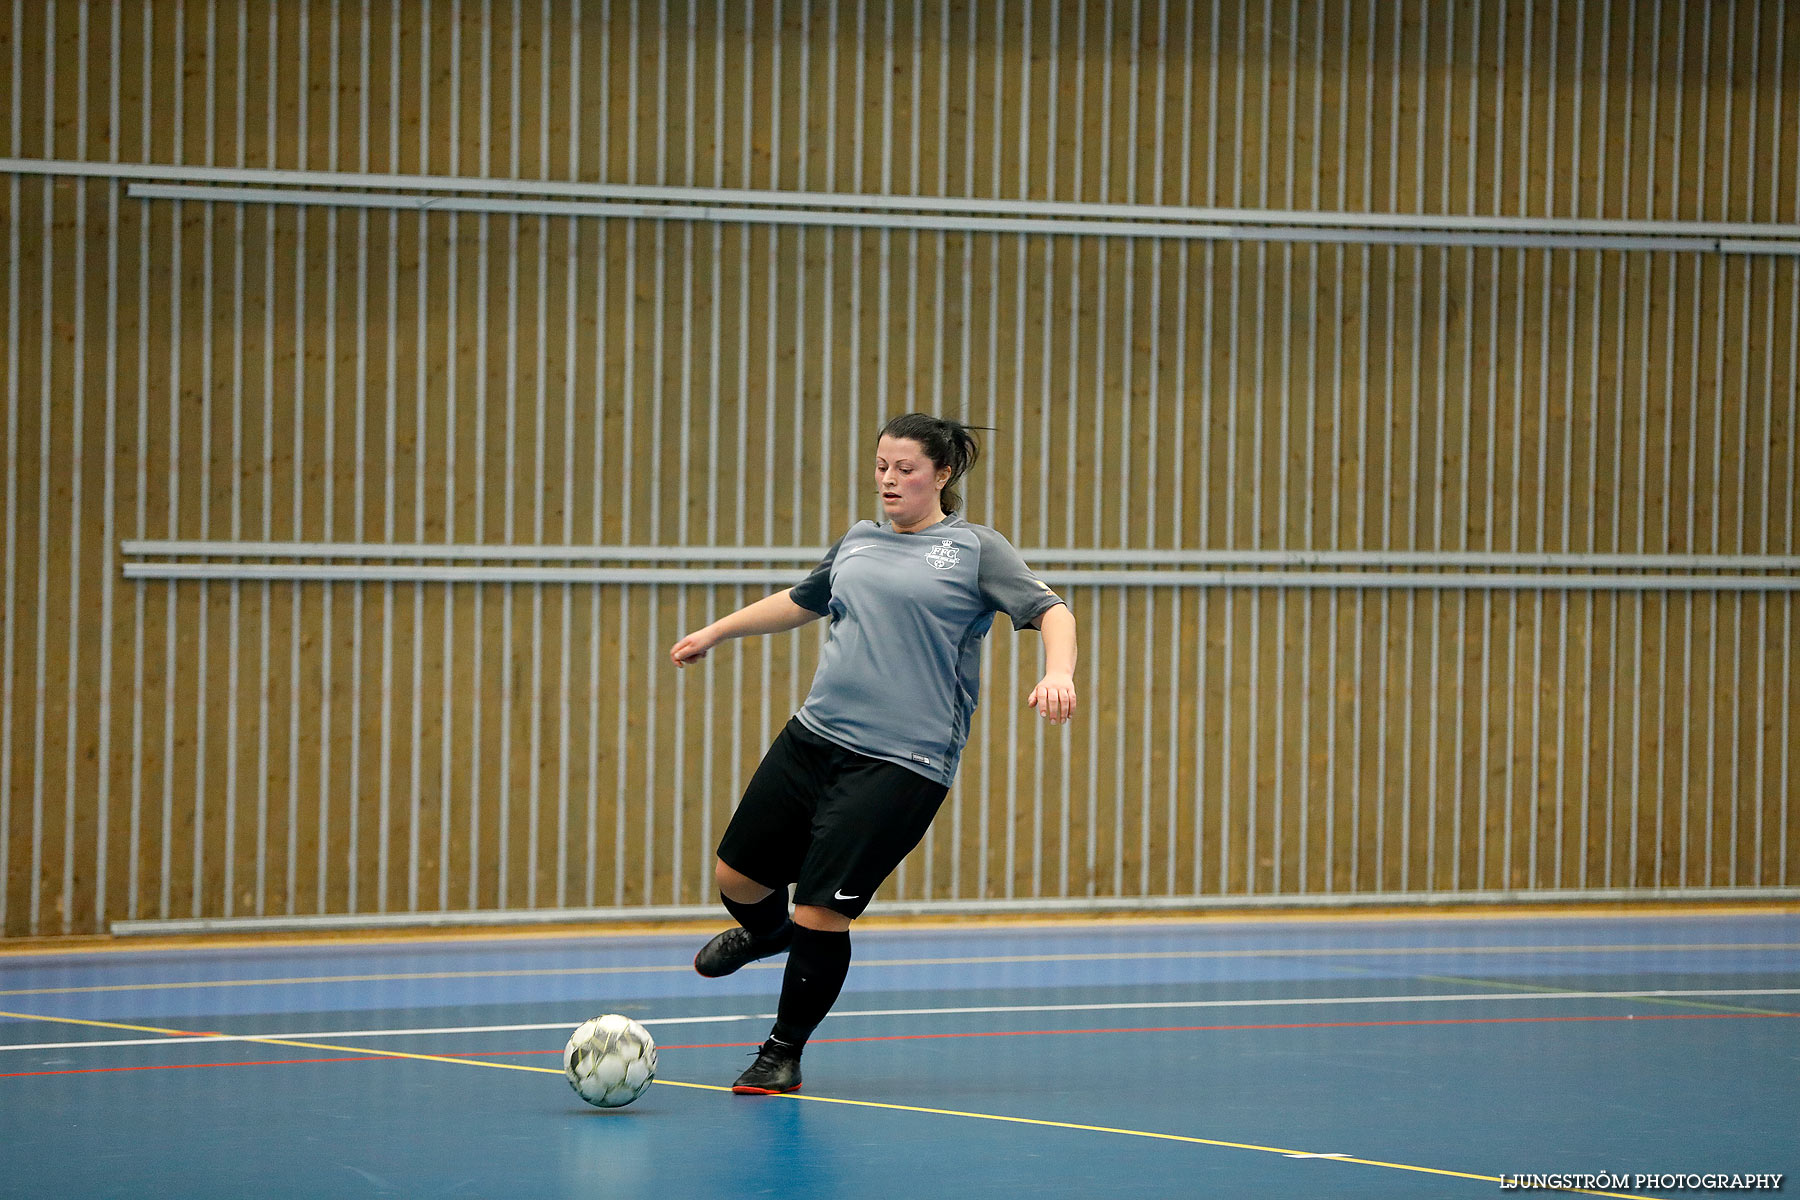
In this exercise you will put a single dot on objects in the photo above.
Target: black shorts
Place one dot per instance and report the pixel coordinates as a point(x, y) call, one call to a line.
point(833, 821)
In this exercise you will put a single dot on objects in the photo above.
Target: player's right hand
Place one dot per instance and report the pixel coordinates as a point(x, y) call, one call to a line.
point(690, 649)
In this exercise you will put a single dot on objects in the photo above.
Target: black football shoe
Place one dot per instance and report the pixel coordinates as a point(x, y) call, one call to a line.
point(737, 947)
point(776, 1070)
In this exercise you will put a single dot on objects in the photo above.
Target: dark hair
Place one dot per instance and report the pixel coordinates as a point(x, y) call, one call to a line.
point(946, 442)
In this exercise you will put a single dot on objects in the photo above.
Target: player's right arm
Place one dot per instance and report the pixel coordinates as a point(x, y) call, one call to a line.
point(771, 614)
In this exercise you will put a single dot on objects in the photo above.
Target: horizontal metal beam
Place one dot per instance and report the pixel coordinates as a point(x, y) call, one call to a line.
point(461, 573)
point(1112, 905)
point(655, 194)
point(1758, 246)
point(1049, 226)
point(776, 577)
point(513, 552)
point(464, 551)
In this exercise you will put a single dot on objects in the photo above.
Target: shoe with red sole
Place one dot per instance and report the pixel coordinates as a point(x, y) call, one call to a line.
point(776, 1070)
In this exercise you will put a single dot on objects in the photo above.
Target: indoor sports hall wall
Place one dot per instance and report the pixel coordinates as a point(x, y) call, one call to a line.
point(1412, 560)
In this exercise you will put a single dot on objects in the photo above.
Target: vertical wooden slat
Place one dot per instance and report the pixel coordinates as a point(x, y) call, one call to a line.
point(234, 619)
point(389, 847)
point(54, 575)
point(1763, 870)
point(106, 632)
point(76, 713)
point(140, 522)
point(9, 638)
point(45, 262)
point(566, 699)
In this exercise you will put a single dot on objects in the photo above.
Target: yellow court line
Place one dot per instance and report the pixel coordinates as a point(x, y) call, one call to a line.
point(359, 1051)
point(592, 931)
point(365, 1051)
point(1167, 1137)
point(186, 1033)
point(396, 977)
point(974, 960)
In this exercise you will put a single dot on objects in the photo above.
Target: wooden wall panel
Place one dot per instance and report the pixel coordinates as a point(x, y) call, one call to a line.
point(182, 369)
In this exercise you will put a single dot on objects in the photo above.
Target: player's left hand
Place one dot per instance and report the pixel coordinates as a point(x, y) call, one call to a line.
point(1054, 698)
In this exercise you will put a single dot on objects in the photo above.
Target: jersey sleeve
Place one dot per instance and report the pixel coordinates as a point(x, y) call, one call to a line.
point(1008, 585)
point(814, 592)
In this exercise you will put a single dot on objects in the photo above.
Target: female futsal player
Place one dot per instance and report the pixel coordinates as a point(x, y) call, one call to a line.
point(852, 783)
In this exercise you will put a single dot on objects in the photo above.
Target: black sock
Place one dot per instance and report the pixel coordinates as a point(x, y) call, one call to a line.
point(765, 919)
point(816, 966)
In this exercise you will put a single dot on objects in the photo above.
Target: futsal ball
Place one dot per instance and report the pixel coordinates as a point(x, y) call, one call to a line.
point(610, 1060)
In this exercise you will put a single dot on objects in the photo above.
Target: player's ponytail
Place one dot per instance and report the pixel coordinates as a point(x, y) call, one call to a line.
point(946, 442)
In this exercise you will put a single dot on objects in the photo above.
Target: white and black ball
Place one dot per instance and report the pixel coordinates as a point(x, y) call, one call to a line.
point(610, 1061)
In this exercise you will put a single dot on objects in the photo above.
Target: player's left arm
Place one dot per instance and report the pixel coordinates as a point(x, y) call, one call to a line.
point(1009, 586)
point(1054, 696)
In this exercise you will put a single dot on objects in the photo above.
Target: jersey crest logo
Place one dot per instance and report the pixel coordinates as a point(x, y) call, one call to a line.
point(943, 556)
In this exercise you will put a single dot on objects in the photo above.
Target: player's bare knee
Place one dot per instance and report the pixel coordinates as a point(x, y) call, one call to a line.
point(735, 885)
point(824, 920)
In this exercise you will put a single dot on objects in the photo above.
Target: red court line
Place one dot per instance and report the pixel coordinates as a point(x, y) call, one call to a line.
point(274, 1062)
point(914, 1037)
point(908, 1037)
point(902, 1037)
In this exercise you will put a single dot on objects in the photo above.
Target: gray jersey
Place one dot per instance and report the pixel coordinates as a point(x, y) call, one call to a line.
point(901, 671)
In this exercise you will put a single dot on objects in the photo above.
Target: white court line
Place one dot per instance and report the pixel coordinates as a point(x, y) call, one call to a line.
point(683, 968)
point(375, 1033)
point(1123, 1006)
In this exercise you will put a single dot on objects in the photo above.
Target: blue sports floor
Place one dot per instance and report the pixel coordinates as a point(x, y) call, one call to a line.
point(1405, 1057)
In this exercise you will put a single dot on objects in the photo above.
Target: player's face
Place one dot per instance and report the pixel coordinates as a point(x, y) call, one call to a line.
point(907, 482)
